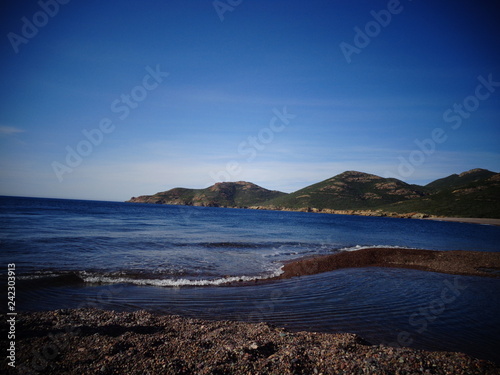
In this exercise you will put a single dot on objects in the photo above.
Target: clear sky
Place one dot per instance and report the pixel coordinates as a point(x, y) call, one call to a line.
point(108, 100)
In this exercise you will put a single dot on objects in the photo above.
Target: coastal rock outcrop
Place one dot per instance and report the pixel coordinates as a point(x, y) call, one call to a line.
point(470, 194)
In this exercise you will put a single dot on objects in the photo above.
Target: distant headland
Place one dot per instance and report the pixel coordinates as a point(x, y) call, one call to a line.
point(471, 194)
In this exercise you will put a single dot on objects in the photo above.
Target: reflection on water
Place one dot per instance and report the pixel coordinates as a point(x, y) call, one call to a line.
point(392, 306)
point(61, 247)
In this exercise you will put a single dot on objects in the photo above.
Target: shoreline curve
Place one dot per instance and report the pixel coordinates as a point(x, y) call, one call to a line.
point(455, 262)
point(110, 342)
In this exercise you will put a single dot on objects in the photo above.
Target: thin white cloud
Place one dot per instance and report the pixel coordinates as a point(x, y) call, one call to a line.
point(227, 96)
point(8, 130)
point(118, 180)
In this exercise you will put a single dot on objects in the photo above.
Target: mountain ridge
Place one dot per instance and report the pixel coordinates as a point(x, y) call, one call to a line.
point(351, 190)
point(221, 194)
point(471, 193)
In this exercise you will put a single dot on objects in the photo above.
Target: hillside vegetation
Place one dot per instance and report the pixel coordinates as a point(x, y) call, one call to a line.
point(351, 190)
point(222, 194)
point(470, 194)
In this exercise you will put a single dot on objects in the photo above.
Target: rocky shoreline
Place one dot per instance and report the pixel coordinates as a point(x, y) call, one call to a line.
point(373, 213)
point(376, 213)
point(381, 213)
point(467, 263)
point(90, 341)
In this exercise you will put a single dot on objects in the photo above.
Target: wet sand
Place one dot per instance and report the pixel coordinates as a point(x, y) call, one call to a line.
point(471, 220)
point(469, 263)
point(91, 341)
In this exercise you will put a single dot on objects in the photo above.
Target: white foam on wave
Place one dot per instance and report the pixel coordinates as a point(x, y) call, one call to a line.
point(99, 279)
point(38, 275)
point(361, 247)
point(122, 278)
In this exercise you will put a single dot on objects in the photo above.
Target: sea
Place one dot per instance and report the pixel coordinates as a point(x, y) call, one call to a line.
point(201, 262)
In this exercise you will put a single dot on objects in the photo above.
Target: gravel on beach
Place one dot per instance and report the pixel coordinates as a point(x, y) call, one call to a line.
point(91, 341)
point(457, 262)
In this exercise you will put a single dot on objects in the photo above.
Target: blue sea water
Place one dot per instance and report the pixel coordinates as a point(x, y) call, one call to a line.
point(176, 259)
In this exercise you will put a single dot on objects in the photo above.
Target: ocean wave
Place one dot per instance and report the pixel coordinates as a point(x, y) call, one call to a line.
point(105, 279)
point(48, 279)
point(182, 277)
point(361, 247)
point(249, 245)
point(37, 276)
point(237, 245)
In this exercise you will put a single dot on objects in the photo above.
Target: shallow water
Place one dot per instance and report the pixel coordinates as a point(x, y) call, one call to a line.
point(174, 245)
point(391, 306)
point(121, 256)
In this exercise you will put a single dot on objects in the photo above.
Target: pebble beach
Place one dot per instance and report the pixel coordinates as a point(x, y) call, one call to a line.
point(95, 341)
point(90, 341)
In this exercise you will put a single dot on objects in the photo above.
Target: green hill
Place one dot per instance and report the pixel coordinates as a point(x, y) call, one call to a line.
point(470, 194)
point(457, 180)
point(351, 190)
point(222, 194)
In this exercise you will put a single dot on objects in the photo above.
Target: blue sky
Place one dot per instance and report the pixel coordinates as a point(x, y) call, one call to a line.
point(279, 93)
